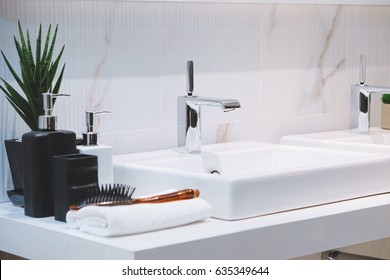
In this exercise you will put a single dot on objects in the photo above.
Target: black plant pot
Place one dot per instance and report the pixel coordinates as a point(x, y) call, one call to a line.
point(14, 151)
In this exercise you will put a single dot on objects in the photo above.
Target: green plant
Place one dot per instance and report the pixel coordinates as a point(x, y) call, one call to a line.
point(386, 98)
point(37, 76)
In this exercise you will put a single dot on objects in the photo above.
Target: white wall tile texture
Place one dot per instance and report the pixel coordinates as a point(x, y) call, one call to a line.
point(290, 66)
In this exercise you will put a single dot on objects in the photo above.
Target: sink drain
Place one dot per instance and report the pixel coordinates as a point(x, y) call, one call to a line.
point(215, 172)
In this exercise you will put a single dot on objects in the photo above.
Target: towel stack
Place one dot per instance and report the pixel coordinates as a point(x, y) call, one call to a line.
point(137, 218)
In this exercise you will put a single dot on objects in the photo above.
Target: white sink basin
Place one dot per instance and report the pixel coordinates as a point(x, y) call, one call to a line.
point(376, 141)
point(256, 178)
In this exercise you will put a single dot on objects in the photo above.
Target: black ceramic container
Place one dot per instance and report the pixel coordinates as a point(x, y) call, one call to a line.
point(72, 173)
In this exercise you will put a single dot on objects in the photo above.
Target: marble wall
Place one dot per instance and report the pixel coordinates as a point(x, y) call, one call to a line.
point(290, 66)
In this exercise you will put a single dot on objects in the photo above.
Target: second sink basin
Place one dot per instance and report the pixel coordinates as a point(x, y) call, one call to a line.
point(246, 179)
point(376, 141)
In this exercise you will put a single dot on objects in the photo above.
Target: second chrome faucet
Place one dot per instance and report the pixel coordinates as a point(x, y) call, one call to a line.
point(189, 117)
point(360, 107)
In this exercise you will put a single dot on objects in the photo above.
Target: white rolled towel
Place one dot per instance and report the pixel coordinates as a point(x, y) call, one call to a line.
point(137, 218)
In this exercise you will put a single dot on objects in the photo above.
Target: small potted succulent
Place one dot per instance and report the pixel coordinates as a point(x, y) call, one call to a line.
point(37, 75)
point(385, 111)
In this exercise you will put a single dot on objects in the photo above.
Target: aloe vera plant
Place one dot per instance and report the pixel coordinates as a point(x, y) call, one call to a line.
point(37, 75)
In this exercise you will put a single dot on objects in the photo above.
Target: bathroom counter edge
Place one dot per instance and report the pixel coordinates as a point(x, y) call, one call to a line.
point(278, 236)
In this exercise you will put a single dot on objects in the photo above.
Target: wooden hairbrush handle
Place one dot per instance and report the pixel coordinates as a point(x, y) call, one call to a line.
point(173, 196)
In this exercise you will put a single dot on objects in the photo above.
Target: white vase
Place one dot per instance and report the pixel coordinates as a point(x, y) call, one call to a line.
point(385, 116)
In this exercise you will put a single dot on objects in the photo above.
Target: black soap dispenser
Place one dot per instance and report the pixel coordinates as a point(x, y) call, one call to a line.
point(39, 147)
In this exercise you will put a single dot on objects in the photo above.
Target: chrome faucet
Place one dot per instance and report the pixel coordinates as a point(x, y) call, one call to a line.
point(361, 101)
point(188, 114)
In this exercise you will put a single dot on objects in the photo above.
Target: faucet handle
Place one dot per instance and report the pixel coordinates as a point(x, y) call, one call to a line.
point(190, 78)
point(362, 69)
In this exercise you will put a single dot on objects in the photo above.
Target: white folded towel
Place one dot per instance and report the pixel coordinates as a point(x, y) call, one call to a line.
point(137, 218)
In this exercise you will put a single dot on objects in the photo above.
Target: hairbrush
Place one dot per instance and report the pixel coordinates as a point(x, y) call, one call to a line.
point(117, 194)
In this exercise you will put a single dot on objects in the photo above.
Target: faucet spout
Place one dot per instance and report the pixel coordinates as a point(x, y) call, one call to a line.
point(225, 104)
point(189, 117)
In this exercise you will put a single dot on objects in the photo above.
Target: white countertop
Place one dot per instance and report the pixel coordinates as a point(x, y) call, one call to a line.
point(278, 236)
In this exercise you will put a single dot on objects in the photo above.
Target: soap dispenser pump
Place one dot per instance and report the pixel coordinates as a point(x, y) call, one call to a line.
point(47, 121)
point(90, 138)
point(90, 145)
point(39, 147)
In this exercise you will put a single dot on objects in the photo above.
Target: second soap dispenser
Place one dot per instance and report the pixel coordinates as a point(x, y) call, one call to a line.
point(90, 146)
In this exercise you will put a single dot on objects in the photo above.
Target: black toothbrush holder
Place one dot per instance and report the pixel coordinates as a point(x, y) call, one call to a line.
point(71, 173)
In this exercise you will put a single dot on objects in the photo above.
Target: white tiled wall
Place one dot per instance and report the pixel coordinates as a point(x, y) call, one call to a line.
point(290, 66)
